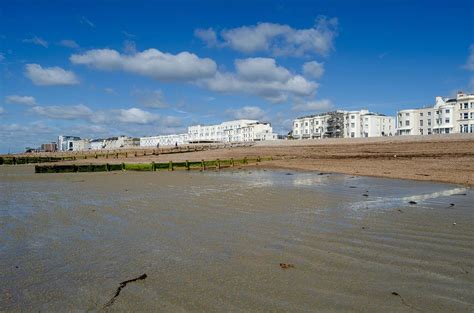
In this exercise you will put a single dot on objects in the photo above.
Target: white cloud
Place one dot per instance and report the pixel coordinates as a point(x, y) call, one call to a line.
point(69, 43)
point(72, 112)
point(315, 105)
point(247, 112)
point(129, 47)
point(49, 76)
point(277, 39)
point(313, 69)
point(127, 34)
point(150, 98)
point(37, 41)
point(162, 66)
point(83, 112)
point(207, 35)
point(84, 21)
point(110, 91)
point(136, 116)
point(15, 99)
point(470, 60)
point(261, 77)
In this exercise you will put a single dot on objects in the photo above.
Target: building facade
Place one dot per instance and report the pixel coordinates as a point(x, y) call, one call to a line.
point(343, 124)
point(230, 131)
point(65, 143)
point(164, 140)
point(448, 115)
point(49, 147)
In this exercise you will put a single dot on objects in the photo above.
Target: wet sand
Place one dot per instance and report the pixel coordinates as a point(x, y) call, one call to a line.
point(213, 241)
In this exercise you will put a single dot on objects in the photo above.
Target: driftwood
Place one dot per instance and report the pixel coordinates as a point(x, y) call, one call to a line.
point(121, 286)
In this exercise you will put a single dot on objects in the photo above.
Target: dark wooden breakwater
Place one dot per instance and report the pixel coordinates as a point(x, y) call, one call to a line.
point(110, 154)
point(169, 166)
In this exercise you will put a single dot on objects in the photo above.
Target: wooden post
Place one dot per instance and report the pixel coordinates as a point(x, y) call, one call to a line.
point(170, 167)
point(153, 167)
point(123, 166)
point(232, 162)
point(107, 167)
point(126, 154)
point(187, 165)
point(202, 165)
point(218, 164)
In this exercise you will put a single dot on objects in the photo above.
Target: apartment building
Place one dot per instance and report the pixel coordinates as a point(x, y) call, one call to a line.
point(367, 124)
point(343, 124)
point(65, 143)
point(324, 125)
point(164, 140)
point(448, 115)
point(230, 131)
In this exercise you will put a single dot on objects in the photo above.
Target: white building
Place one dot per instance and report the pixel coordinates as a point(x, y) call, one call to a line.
point(448, 115)
point(366, 124)
point(230, 131)
point(81, 145)
point(66, 143)
point(164, 140)
point(344, 124)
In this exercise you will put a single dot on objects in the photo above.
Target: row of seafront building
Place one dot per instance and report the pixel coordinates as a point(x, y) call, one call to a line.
point(448, 115)
point(231, 131)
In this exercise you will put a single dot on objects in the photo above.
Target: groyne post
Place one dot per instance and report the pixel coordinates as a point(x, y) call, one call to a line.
point(218, 164)
point(170, 167)
point(202, 165)
point(232, 162)
point(153, 166)
point(187, 165)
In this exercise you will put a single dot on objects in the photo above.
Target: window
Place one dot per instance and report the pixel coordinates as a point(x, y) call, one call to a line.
point(352, 117)
point(352, 125)
point(317, 122)
point(296, 124)
point(429, 122)
point(466, 116)
point(446, 120)
point(466, 105)
point(306, 124)
point(429, 113)
point(352, 134)
point(421, 113)
point(421, 123)
point(407, 123)
point(407, 114)
point(447, 111)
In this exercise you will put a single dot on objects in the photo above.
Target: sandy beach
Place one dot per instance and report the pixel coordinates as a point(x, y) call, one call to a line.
point(447, 158)
point(215, 241)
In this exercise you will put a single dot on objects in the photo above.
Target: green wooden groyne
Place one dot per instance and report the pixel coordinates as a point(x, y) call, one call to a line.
point(167, 166)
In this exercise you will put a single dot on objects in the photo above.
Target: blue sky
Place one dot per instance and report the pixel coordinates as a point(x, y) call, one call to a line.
point(104, 68)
